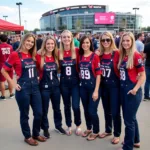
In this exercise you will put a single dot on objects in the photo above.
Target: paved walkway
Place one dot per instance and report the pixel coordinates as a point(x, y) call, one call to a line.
point(11, 137)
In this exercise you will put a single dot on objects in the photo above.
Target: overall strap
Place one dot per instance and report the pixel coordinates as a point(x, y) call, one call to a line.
point(20, 56)
point(92, 57)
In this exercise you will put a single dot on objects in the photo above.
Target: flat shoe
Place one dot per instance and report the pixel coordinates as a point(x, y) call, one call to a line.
point(31, 142)
point(39, 138)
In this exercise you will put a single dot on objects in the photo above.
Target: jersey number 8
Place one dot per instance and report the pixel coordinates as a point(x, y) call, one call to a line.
point(68, 71)
point(122, 75)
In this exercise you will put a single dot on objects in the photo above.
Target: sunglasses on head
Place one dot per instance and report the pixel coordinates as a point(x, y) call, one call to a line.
point(107, 40)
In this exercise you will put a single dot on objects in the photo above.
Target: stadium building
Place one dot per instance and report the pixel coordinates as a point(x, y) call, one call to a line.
point(88, 18)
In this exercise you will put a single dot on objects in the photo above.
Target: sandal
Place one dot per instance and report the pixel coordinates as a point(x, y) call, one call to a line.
point(86, 133)
point(136, 145)
point(78, 131)
point(103, 135)
point(69, 131)
point(92, 137)
point(115, 140)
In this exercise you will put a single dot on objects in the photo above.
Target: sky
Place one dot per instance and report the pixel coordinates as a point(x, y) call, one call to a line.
point(32, 10)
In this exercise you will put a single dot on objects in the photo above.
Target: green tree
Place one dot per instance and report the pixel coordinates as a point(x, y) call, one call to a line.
point(148, 28)
point(63, 27)
point(123, 23)
point(36, 29)
point(26, 31)
point(78, 25)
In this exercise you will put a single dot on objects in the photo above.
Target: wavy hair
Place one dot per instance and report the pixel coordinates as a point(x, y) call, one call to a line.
point(32, 51)
point(43, 51)
point(112, 45)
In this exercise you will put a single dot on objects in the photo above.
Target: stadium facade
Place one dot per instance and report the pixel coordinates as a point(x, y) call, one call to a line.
point(83, 18)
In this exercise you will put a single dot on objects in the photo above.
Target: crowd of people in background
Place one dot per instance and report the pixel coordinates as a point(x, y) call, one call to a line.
point(105, 66)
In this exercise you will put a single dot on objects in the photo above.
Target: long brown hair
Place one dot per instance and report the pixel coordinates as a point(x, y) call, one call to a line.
point(32, 51)
point(43, 51)
point(81, 51)
point(72, 47)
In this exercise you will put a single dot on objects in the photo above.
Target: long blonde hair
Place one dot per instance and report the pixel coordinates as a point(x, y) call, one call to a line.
point(112, 45)
point(130, 62)
point(32, 51)
point(72, 47)
point(43, 51)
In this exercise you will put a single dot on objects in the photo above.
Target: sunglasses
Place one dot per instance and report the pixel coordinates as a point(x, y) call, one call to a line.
point(107, 40)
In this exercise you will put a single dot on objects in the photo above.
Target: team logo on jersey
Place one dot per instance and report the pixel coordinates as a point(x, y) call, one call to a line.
point(82, 65)
point(140, 61)
point(106, 63)
point(29, 63)
point(47, 66)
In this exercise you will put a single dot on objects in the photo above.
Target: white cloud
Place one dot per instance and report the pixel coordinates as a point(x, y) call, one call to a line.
point(32, 17)
point(6, 9)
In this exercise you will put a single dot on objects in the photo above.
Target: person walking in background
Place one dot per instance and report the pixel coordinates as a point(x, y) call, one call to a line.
point(27, 87)
point(132, 76)
point(147, 69)
point(110, 87)
point(17, 42)
point(75, 39)
point(48, 67)
point(90, 74)
point(139, 43)
point(69, 81)
point(5, 51)
point(39, 42)
point(118, 37)
point(95, 42)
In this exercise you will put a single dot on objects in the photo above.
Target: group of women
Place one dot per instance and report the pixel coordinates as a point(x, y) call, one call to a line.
point(114, 75)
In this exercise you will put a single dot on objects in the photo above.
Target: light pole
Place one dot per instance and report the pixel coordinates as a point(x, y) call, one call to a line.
point(135, 8)
point(25, 24)
point(5, 17)
point(19, 3)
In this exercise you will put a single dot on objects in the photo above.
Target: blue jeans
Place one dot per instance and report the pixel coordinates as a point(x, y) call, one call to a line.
point(52, 93)
point(29, 95)
point(90, 109)
point(68, 93)
point(112, 105)
point(147, 83)
point(130, 105)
